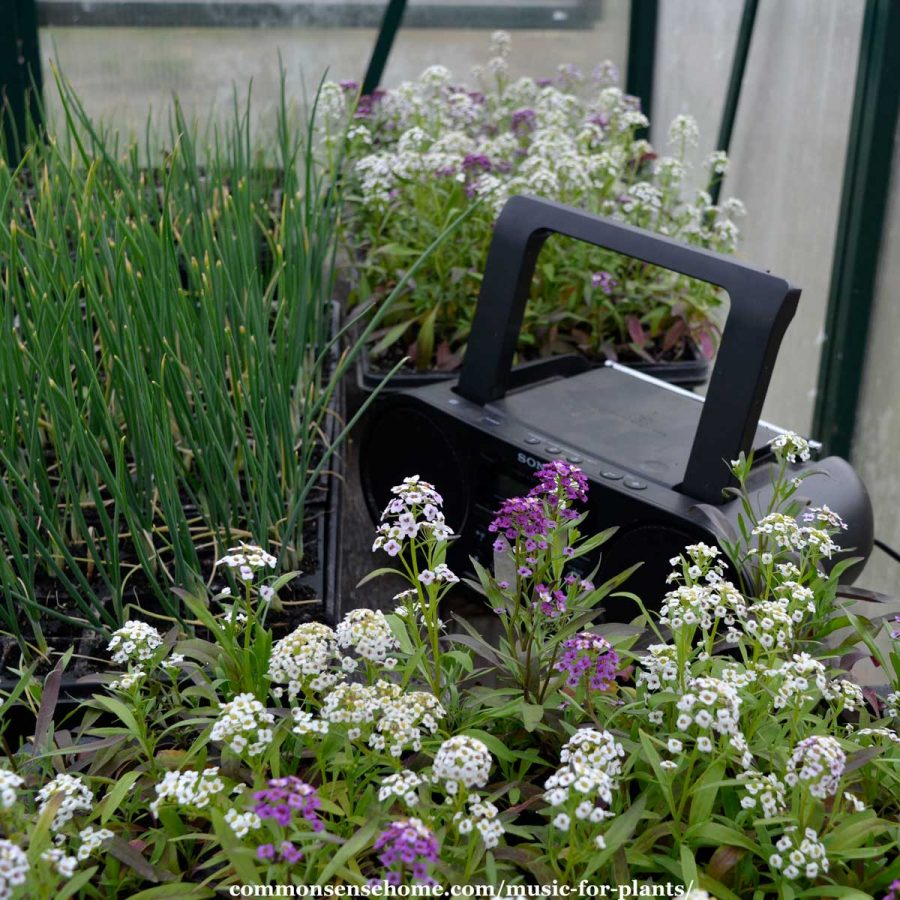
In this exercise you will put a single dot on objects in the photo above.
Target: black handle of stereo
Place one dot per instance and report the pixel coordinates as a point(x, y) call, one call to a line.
point(762, 306)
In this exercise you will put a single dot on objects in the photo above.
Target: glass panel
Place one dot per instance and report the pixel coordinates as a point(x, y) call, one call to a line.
point(545, 34)
point(124, 58)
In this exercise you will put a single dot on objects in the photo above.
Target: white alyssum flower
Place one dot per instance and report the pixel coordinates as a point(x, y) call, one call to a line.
point(128, 680)
point(798, 857)
point(594, 749)
point(135, 641)
point(14, 867)
point(9, 786)
point(247, 560)
point(818, 762)
point(769, 624)
point(306, 723)
point(77, 797)
point(765, 790)
point(790, 446)
point(188, 788)
point(242, 823)
point(462, 760)
point(173, 662)
point(402, 785)
point(367, 631)
point(353, 704)
point(244, 725)
point(403, 719)
point(659, 667)
point(481, 816)
point(709, 709)
point(415, 511)
point(887, 734)
point(65, 865)
point(684, 131)
point(302, 658)
point(91, 839)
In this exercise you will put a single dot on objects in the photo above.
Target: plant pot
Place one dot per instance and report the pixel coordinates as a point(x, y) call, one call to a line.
point(690, 372)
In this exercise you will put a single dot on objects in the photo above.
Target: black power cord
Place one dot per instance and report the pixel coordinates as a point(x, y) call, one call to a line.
point(890, 551)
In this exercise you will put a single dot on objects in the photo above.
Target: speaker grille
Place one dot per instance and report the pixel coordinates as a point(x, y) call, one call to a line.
point(399, 441)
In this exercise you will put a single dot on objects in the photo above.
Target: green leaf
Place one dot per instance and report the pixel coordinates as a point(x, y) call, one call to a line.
point(715, 834)
point(118, 709)
point(494, 744)
point(114, 798)
point(532, 715)
point(237, 853)
point(621, 830)
point(662, 776)
point(174, 892)
point(375, 573)
point(528, 859)
point(359, 840)
point(71, 887)
point(124, 852)
point(704, 792)
point(689, 873)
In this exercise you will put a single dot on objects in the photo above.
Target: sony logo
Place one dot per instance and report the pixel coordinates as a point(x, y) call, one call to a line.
point(529, 461)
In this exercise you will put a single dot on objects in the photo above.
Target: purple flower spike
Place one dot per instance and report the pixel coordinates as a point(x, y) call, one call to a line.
point(409, 843)
point(283, 797)
point(557, 481)
point(522, 517)
point(604, 281)
point(289, 853)
point(476, 162)
point(523, 121)
point(590, 657)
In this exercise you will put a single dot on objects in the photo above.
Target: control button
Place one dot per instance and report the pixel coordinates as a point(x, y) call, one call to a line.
point(491, 420)
point(634, 484)
point(531, 439)
point(453, 401)
point(572, 458)
point(612, 476)
point(552, 448)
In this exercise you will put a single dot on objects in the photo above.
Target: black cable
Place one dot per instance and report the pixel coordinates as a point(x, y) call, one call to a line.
point(891, 552)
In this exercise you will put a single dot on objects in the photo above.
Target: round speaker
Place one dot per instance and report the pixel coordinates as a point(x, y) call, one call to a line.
point(652, 545)
point(399, 441)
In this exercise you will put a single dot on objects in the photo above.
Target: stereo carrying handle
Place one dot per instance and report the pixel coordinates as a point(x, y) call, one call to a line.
point(762, 306)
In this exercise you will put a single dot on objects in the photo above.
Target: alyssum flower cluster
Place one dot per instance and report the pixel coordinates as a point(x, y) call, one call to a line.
point(727, 751)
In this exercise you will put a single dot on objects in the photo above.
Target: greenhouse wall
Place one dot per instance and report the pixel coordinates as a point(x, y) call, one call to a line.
point(877, 436)
point(788, 149)
point(121, 72)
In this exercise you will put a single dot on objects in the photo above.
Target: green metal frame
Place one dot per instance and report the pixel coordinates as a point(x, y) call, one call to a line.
point(867, 177)
point(735, 83)
point(390, 25)
point(642, 52)
point(20, 71)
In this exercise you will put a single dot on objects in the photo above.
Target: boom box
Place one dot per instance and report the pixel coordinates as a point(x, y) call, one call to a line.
point(656, 456)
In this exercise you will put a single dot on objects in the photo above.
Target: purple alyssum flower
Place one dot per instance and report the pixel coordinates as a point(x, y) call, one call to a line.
point(559, 483)
point(589, 656)
point(285, 796)
point(604, 281)
point(522, 517)
point(523, 120)
point(407, 846)
point(551, 602)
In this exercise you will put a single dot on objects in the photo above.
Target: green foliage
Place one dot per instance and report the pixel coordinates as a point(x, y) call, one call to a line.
point(420, 153)
point(169, 359)
point(732, 756)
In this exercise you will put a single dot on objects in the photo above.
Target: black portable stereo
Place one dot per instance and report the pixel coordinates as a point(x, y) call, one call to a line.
point(656, 456)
